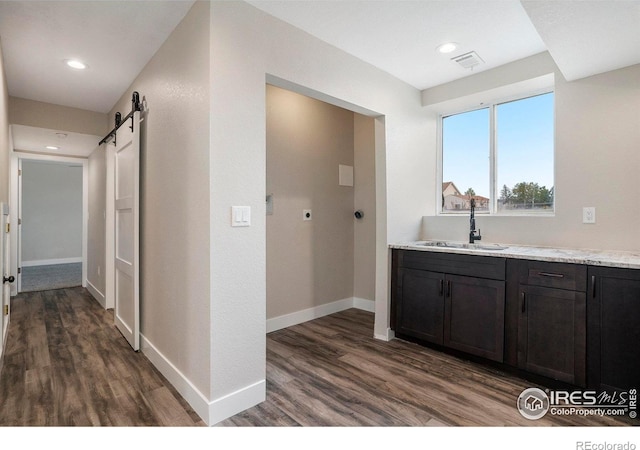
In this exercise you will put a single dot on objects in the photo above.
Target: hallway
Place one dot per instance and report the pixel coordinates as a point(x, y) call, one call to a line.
point(67, 365)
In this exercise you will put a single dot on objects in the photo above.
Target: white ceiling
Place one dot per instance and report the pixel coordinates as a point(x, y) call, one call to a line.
point(588, 37)
point(35, 140)
point(400, 36)
point(117, 38)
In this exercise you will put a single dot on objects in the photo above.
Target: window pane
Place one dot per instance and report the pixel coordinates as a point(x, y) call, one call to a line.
point(524, 148)
point(465, 160)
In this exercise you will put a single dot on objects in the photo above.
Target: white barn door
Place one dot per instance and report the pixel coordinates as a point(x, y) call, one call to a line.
point(126, 255)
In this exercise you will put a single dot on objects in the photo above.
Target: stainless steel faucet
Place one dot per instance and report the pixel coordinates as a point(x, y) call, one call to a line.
point(472, 224)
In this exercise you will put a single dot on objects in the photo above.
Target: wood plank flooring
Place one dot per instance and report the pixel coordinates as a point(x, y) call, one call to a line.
point(67, 365)
point(332, 372)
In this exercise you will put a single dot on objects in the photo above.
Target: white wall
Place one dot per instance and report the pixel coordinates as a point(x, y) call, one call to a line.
point(5, 148)
point(51, 213)
point(49, 116)
point(57, 117)
point(248, 47)
point(96, 224)
point(596, 163)
point(4, 133)
point(174, 222)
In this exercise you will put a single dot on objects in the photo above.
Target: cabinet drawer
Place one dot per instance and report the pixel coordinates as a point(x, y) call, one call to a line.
point(456, 264)
point(572, 277)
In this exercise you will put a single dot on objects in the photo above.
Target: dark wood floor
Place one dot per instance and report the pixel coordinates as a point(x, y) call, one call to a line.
point(66, 364)
point(332, 372)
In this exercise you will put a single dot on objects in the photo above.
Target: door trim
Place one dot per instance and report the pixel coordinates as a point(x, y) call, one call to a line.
point(15, 204)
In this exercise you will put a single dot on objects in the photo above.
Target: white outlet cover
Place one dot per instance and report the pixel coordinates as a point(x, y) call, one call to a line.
point(589, 214)
point(306, 214)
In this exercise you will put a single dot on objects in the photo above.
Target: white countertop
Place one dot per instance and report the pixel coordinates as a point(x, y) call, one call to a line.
point(620, 259)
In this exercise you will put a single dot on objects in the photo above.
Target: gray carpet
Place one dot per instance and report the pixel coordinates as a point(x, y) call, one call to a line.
point(58, 276)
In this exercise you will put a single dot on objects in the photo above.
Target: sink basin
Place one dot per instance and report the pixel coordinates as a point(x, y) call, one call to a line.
point(445, 244)
point(488, 246)
point(450, 244)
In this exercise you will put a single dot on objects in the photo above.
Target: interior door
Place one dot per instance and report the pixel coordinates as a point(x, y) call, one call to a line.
point(5, 290)
point(126, 258)
point(18, 234)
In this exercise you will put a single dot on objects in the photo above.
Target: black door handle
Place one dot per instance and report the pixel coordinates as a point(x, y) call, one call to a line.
point(9, 279)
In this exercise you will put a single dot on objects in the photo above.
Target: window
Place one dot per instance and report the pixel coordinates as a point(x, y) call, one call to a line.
point(501, 155)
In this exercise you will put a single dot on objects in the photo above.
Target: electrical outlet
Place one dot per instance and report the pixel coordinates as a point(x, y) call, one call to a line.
point(306, 214)
point(589, 214)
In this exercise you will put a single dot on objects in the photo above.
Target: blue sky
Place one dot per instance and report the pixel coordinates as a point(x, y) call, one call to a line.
point(524, 145)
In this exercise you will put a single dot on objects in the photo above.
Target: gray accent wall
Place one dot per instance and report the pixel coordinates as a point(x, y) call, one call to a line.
point(51, 212)
point(309, 262)
point(332, 256)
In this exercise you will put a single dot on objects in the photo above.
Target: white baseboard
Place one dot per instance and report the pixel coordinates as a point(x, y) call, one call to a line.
point(211, 412)
point(295, 318)
point(95, 292)
point(50, 262)
point(389, 336)
point(187, 390)
point(236, 402)
point(364, 304)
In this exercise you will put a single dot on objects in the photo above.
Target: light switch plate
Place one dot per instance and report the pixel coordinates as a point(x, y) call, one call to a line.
point(306, 214)
point(589, 214)
point(241, 216)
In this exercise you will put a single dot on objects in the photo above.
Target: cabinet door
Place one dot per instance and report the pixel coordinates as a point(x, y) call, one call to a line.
point(474, 316)
point(552, 333)
point(614, 329)
point(420, 305)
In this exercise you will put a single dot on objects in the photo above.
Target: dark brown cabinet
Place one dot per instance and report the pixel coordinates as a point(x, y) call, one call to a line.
point(420, 313)
point(552, 320)
point(474, 316)
point(457, 310)
point(568, 322)
point(614, 328)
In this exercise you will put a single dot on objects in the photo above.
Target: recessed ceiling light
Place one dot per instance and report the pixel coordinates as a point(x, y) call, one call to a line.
point(52, 147)
point(75, 64)
point(447, 47)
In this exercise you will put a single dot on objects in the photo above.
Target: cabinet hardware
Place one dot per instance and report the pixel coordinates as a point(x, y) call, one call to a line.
point(593, 286)
point(448, 288)
point(441, 287)
point(549, 274)
point(524, 301)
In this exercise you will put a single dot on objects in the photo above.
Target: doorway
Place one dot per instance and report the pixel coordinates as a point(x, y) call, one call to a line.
point(51, 237)
point(320, 172)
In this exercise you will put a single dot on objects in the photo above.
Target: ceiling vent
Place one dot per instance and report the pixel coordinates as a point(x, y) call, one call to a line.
point(468, 60)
